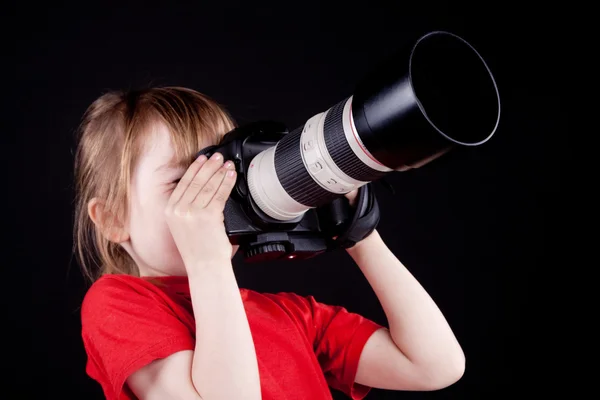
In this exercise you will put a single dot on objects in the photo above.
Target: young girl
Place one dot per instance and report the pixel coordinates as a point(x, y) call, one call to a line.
point(164, 317)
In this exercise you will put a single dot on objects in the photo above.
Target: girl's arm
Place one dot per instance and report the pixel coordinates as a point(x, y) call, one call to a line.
point(223, 364)
point(419, 351)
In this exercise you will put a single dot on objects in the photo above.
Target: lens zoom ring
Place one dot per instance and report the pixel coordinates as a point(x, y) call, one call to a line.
point(340, 151)
point(294, 176)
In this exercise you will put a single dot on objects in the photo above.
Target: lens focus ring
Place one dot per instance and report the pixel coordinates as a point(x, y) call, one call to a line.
point(293, 175)
point(340, 151)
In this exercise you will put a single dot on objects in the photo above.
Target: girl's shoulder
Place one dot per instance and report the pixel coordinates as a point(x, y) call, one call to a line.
point(118, 281)
point(117, 287)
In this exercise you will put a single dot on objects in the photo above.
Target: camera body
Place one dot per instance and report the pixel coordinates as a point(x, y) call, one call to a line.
point(260, 237)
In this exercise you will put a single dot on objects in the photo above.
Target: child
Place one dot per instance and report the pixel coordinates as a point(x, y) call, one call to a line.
point(164, 317)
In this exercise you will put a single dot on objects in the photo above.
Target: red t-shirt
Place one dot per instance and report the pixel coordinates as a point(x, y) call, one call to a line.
point(302, 346)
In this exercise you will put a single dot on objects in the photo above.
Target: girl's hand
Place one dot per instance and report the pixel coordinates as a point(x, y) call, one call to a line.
point(195, 211)
point(351, 196)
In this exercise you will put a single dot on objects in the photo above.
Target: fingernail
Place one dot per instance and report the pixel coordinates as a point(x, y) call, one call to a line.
point(216, 156)
point(228, 164)
point(201, 158)
point(230, 173)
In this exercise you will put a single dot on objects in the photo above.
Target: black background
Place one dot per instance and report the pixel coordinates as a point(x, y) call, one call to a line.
point(475, 227)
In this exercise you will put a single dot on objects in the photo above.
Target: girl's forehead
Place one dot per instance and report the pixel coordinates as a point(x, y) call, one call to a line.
point(158, 145)
point(156, 151)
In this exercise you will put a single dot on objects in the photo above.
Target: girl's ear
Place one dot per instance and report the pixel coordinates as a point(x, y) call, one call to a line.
point(112, 229)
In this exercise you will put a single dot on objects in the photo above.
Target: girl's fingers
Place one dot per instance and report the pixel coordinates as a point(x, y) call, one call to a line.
point(217, 203)
point(186, 179)
point(204, 198)
point(197, 184)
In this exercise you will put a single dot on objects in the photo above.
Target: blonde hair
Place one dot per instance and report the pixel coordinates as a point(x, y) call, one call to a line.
point(109, 142)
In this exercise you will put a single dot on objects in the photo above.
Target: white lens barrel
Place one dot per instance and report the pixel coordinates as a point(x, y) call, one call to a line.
point(269, 193)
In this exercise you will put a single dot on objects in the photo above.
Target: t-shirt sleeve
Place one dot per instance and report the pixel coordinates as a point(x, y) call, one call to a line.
point(338, 338)
point(125, 327)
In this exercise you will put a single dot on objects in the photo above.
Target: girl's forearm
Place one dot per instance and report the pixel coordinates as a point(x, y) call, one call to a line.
point(417, 325)
point(224, 364)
